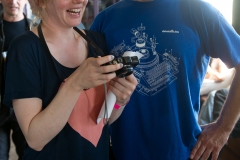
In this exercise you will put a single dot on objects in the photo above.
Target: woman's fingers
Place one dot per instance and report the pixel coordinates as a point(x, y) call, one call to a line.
point(103, 60)
point(95, 71)
point(123, 88)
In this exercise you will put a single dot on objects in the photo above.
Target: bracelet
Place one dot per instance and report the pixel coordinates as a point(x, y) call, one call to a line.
point(116, 106)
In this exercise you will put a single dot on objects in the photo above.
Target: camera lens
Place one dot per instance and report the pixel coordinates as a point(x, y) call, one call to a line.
point(125, 71)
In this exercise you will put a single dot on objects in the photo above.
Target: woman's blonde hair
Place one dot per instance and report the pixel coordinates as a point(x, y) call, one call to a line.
point(37, 7)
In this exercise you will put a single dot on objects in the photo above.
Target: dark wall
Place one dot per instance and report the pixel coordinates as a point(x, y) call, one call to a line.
point(236, 15)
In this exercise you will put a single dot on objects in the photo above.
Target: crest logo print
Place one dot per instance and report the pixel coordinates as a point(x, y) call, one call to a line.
point(155, 71)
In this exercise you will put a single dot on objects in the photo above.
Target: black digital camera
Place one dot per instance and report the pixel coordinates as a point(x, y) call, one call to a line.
point(129, 63)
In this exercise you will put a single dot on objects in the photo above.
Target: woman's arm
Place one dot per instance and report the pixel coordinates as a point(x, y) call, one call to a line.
point(123, 89)
point(40, 126)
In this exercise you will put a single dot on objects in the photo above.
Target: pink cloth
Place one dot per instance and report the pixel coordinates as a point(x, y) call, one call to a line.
point(84, 115)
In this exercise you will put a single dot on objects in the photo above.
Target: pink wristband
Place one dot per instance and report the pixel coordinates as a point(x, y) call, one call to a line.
point(116, 106)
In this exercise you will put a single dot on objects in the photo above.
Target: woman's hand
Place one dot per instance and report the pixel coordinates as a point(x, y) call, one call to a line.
point(92, 73)
point(123, 88)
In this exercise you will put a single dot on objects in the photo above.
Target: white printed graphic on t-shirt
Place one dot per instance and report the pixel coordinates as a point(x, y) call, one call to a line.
point(155, 71)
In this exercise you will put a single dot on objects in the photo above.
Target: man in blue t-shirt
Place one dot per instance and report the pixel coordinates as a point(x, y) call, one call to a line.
point(177, 39)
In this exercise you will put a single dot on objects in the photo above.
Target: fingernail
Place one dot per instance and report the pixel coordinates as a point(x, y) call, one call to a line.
point(121, 65)
point(112, 57)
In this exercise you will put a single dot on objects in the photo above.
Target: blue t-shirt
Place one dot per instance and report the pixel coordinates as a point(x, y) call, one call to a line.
point(176, 39)
point(30, 72)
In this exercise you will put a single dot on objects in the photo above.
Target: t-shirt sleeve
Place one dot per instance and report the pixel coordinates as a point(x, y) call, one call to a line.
point(219, 38)
point(98, 22)
point(22, 78)
point(225, 42)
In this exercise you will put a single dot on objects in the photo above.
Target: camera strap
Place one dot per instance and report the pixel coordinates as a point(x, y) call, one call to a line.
point(97, 49)
point(100, 52)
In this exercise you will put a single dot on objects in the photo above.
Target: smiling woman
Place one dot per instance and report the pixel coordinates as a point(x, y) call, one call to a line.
point(56, 115)
point(39, 9)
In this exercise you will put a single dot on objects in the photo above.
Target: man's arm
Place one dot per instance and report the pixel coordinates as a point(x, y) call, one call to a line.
point(215, 135)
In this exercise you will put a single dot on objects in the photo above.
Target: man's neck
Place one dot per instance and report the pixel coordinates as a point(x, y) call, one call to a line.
point(13, 18)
